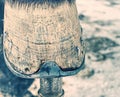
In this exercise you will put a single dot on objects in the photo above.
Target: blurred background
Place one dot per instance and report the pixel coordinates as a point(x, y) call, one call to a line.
point(100, 20)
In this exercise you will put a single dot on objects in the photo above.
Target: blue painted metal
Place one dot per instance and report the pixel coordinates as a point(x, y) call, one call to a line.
point(51, 87)
point(48, 70)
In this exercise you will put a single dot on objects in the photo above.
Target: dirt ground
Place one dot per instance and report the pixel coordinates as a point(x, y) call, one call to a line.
point(100, 20)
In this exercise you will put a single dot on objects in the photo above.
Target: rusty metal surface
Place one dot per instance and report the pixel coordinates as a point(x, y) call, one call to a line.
point(36, 34)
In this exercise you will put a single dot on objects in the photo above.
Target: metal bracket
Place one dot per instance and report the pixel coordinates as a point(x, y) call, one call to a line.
point(48, 70)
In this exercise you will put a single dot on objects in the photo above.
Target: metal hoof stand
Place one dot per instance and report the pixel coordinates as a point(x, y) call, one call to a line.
point(43, 39)
point(51, 85)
